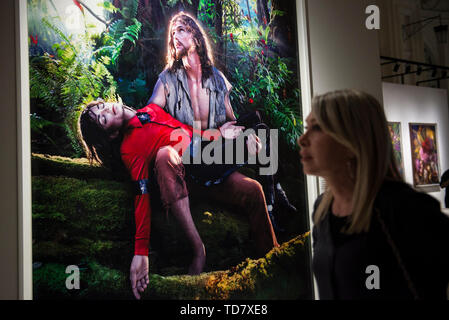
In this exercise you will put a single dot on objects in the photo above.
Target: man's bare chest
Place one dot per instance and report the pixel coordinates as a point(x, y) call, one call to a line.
point(200, 102)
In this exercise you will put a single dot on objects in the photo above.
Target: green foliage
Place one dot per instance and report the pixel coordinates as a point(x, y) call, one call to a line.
point(108, 7)
point(265, 81)
point(124, 60)
point(96, 281)
point(207, 11)
point(231, 15)
point(38, 125)
point(119, 44)
point(119, 33)
point(36, 11)
point(133, 91)
point(76, 73)
point(66, 81)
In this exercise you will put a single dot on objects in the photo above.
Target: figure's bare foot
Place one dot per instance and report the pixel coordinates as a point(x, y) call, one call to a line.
point(198, 261)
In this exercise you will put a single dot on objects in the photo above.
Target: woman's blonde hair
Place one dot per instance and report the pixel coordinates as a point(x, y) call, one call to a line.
point(357, 120)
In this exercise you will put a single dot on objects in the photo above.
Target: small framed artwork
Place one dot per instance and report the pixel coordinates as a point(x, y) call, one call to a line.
point(424, 148)
point(396, 138)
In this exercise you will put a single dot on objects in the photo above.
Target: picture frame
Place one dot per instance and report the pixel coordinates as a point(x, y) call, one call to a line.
point(396, 139)
point(301, 57)
point(424, 154)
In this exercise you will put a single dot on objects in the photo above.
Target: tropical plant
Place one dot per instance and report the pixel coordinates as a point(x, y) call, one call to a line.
point(61, 83)
point(121, 30)
point(262, 80)
point(120, 44)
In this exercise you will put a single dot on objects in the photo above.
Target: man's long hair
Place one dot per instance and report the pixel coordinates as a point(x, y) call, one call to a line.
point(97, 143)
point(202, 45)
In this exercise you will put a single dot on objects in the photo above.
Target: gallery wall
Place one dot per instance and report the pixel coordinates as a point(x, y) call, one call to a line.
point(343, 52)
point(8, 160)
point(414, 104)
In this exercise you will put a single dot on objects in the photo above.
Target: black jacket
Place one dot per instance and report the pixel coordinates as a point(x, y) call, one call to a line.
point(419, 231)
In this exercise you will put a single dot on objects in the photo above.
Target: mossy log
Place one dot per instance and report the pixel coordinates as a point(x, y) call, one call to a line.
point(49, 165)
point(278, 275)
point(82, 218)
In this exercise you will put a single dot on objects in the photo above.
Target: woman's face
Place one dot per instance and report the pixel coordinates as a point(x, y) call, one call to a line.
point(322, 155)
point(108, 115)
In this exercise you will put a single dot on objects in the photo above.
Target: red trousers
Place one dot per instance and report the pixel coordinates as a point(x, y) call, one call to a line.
point(243, 193)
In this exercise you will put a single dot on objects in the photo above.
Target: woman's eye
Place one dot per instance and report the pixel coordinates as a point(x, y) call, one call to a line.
point(314, 127)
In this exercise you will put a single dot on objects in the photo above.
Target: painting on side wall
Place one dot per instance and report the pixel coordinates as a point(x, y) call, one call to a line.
point(395, 132)
point(424, 149)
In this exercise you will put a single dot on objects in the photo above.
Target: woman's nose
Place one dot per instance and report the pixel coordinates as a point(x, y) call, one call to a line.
point(302, 140)
point(105, 110)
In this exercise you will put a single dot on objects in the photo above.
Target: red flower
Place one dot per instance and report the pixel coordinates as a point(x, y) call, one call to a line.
point(232, 37)
point(263, 52)
point(263, 41)
point(264, 20)
point(78, 5)
point(251, 100)
point(260, 33)
point(33, 39)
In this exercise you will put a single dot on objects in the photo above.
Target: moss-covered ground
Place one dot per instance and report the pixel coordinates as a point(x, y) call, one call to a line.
point(82, 217)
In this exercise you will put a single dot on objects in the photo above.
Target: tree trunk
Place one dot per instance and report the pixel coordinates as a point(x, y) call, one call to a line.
point(189, 8)
point(194, 7)
point(262, 12)
point(282, 27)
point(152, 13)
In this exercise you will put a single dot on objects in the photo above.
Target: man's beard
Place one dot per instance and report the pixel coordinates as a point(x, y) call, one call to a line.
point(181, 53)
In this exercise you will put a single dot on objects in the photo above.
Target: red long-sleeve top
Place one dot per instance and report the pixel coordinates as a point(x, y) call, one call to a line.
point(138, 150)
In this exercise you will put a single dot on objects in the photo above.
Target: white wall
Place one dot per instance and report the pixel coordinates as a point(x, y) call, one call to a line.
point(343, 52)
point(406, 104)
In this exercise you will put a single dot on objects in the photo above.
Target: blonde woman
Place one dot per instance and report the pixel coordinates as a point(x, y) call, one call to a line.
point(374, 236)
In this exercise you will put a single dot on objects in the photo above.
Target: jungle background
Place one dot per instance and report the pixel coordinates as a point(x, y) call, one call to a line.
point(83, 215)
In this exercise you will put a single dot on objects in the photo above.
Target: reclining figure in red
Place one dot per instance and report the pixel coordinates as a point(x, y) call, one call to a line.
point(117, 135)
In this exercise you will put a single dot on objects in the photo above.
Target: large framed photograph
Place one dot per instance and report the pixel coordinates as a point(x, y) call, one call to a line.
point(118, 212)
point(424, 149)
point(396, 139)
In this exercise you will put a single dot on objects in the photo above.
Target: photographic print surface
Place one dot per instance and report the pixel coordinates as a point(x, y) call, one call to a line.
point(86, 232)
point(396, 139)
point(425, 162)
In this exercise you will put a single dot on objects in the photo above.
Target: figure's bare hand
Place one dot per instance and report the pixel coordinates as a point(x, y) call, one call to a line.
point(230, 131)
point(139, 275)
point(254, 144)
